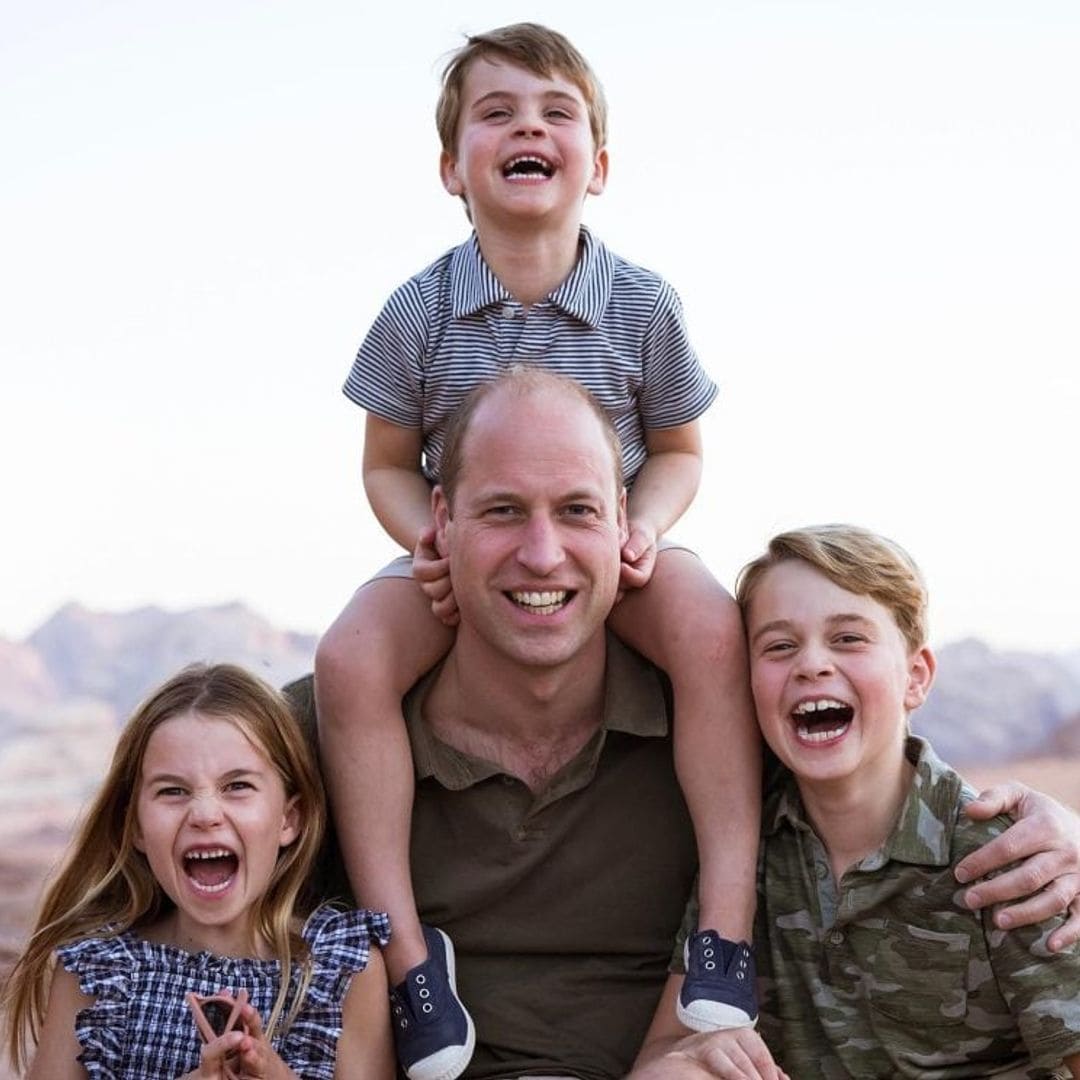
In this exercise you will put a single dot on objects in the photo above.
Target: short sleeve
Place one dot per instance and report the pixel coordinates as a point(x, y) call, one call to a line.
point(340, 943)
point(103, 966)
point(386, 376)
point(676, 389)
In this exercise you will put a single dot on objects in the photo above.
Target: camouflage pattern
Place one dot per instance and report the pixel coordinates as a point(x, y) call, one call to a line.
point(886, 974)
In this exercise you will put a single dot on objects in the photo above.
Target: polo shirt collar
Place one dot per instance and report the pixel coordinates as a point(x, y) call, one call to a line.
point(922, 835)
point(635, 703)
point(584, 294)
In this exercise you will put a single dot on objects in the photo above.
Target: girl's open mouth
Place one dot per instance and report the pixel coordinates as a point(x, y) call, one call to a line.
point(211, 870)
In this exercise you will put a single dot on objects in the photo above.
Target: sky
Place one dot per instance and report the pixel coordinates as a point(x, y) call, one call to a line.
point(869, 210)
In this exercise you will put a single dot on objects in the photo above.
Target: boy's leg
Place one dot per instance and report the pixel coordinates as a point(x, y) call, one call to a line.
point(685, 622)
point(377, 648)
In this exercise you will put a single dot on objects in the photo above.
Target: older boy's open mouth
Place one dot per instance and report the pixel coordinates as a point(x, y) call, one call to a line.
point(542, 603)
point(528, 166)
point(210, 869)
point(820, 721)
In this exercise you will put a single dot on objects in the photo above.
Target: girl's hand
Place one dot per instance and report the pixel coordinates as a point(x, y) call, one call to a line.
point(432, 572)
point(256, 1059)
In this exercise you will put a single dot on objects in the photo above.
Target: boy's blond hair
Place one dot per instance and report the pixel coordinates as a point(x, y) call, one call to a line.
point(542, 51)
point(858, 560)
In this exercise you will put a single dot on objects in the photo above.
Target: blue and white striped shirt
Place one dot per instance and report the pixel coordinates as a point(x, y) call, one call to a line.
point(614, 327)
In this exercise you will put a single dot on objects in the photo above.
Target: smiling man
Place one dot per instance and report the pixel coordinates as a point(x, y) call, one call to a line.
point(549, 834)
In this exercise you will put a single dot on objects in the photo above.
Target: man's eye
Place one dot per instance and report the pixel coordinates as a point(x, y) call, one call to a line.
point(580, 510)
point(501, 511)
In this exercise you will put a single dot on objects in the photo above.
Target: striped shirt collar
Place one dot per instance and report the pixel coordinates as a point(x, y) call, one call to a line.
point(584, 294)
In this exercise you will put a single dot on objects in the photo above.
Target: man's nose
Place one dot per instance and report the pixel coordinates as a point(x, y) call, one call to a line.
point(541, 549)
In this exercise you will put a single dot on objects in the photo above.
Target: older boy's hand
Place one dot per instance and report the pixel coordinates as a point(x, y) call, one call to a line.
point(638, 556)
point(432, 572)
point(1046, 837)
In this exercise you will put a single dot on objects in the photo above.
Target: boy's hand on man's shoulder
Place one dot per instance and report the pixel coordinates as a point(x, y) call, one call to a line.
point(1044, 842)
point(638, 556)
point(432, 573)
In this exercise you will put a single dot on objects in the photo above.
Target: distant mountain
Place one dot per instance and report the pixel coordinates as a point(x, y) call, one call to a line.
point(988, 707)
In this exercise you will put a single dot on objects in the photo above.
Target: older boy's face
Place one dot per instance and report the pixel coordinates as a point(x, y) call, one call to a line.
point(524, 148)
point(833, 677)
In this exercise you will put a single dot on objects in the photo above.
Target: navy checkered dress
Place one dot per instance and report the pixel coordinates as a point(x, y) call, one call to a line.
point(140, 1026)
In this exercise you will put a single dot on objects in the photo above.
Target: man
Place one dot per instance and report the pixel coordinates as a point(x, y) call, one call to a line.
point(549, 835)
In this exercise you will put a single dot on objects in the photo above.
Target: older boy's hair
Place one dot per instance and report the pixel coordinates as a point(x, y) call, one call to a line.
point(858, 560)
point(542, 51)
point(522, 380)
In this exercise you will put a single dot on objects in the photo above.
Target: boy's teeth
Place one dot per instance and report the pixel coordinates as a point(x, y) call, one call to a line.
point(813, 706)
point(822, 735)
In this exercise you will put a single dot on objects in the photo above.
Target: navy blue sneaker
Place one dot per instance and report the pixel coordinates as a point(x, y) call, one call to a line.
point(718, 991)
point(433, 1033)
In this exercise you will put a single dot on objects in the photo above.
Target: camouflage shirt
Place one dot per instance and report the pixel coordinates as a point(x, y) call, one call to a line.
point(886, 974)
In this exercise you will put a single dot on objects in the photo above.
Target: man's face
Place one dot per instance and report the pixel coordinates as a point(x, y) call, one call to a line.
point(535, 529)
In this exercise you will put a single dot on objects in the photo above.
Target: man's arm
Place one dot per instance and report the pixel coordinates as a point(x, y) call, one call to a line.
point(672, 1052)
point(1045, 840)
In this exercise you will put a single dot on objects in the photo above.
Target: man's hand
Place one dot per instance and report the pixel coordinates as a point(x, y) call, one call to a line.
point(736, 1054)
point(638, 556)
point(1046, 840)
point(432, 571)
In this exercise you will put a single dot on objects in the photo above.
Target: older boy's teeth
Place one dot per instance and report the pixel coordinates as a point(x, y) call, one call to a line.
point(822, 735)
point(540, 603)
point(813, 706)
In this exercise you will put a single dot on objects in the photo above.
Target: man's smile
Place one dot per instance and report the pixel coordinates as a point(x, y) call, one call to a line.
point(542, 603)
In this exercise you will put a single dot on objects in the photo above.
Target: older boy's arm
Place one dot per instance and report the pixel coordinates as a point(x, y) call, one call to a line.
point(1046, 837)
point(663, 489)
point(671, 1052)
point(397, 489)
point(1073, 1065)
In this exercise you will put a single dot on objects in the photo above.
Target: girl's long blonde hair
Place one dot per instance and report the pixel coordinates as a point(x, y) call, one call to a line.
point(105, 884)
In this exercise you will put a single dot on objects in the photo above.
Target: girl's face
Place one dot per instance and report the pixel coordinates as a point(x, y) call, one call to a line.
point(211, 818)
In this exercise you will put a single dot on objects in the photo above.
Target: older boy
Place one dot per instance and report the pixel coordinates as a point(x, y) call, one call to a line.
point(870, 964)
point(523, 127)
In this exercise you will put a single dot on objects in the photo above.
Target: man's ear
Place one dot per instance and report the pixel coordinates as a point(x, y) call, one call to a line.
point(440, 511)
point(921, 667)
point(448, 172)
point(624, 529)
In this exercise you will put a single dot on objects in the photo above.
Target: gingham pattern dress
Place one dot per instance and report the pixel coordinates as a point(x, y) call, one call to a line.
point(140, 1026)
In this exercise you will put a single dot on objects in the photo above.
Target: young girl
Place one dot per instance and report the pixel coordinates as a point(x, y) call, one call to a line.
point(184, 883)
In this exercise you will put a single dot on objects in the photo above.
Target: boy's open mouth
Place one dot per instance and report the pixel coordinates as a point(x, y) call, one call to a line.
point(542, 603)
point(820, 721)
point(211, 870)
point(528, 165)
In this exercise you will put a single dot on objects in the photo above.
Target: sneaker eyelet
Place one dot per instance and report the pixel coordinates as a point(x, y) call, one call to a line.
point(426, 1007)
point(420, 980)
point(425, 992)
point(710, 966)
point(709, 953)
point(740, 975)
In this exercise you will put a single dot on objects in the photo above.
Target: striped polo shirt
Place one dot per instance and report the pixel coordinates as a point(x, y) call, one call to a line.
point(614, 327)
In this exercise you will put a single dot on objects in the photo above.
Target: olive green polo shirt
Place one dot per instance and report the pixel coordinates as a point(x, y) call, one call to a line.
point(884, 973)
point(562, 905)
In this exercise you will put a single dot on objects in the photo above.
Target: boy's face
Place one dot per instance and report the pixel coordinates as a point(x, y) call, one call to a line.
point(524, 148)
point(833, 677)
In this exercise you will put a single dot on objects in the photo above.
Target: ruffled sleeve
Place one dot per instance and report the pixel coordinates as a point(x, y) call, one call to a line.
point(103, 966)
point(340, 943)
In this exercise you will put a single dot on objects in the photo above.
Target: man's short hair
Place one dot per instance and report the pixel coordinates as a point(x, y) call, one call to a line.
point(542, 51)
point(521, 380)
point(858, 560)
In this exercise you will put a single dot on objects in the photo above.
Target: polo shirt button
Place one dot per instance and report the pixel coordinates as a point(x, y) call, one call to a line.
point(521, 833)
point(836, 938)
point(507, 780)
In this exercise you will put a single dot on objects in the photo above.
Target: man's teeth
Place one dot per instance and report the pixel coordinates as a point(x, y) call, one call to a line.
point(540, 603)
